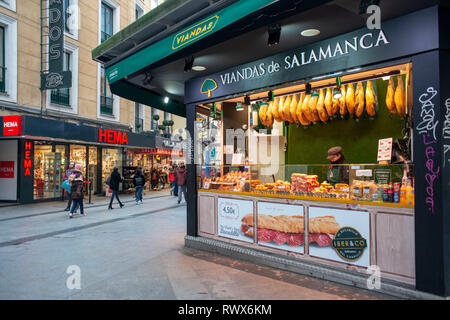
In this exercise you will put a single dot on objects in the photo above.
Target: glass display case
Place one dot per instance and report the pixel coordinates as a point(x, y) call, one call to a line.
point(368, 184)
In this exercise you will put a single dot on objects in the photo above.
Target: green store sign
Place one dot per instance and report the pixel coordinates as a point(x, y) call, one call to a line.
point(349, 244)
point(195, 32)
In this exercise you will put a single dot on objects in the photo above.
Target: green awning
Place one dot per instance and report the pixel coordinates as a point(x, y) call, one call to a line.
point(140, 95)
point(176, 42)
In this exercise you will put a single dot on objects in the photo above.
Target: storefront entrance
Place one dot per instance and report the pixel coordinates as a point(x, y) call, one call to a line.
point(49, 165)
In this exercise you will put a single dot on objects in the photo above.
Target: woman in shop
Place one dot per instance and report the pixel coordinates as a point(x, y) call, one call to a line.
point(114, 181)
point(77, 195)
point(337, 173)
point(139, 182)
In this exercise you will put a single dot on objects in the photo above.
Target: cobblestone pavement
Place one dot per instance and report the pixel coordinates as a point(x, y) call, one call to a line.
point(136, 252)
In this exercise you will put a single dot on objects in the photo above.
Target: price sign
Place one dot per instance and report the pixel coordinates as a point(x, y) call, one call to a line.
point(230, 213)
point(385, 149)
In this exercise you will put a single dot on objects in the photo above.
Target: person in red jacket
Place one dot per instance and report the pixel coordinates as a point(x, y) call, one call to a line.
point(181, 182)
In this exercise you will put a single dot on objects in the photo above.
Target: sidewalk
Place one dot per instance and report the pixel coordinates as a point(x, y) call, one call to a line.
point(10, 211)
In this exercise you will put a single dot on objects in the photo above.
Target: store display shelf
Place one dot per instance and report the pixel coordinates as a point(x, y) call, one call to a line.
point(317, 199)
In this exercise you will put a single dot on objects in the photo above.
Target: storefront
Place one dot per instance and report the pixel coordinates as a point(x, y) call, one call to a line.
point(272, 187)
point(37, 153)
point(260, 183)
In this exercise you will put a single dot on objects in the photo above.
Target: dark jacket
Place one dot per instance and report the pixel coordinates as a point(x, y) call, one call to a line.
point(138, 180)
point(76, 181)
point(181, 176)
point(338, 173)
point(116, 179)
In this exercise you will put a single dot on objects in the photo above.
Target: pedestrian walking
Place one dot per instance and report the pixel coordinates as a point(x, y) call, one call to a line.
point(139, 182)
point(67, 174)
point(181, 182)
point(77, 188)
point(114, 181)
point(173, 182)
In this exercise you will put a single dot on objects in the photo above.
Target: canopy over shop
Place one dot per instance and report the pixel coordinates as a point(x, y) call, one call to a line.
point(390, 75)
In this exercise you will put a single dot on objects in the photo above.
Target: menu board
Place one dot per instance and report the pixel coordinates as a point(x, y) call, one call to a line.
point(385, 149)
point(340, 235)
point(230, 213)
point(281, 226)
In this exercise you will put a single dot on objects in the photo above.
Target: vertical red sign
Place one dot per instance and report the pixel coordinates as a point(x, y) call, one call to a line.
point(27, 159)
point(12, 125)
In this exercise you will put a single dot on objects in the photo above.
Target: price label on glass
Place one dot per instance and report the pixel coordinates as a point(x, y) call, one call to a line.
point(229, 211)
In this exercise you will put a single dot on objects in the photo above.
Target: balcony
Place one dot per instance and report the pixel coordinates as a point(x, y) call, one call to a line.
point(60, 97)
point(106, 105)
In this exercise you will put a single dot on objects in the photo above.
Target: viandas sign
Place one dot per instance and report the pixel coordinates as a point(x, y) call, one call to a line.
point(56, 77)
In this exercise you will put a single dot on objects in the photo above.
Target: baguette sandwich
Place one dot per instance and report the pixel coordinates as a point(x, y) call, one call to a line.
point(290, 229)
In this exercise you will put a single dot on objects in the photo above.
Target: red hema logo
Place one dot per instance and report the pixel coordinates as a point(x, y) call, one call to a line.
point(12, 125)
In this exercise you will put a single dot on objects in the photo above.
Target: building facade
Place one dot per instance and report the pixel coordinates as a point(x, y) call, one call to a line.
point(88, 101)
point(85, 123)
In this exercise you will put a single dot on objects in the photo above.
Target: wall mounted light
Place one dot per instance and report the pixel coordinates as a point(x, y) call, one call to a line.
point(188, 63)
point(166, 100)
point(274, 32)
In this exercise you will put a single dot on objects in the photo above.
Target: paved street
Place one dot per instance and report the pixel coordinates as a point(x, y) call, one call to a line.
point(136, 252)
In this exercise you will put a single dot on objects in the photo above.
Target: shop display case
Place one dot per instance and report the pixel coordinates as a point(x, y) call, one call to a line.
point(365, 184)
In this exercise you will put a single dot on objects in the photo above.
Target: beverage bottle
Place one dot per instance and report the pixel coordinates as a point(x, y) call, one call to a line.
point(385, 193)
point(391, 193)
point(403, 193)
point(396, 193)
point(409, 194)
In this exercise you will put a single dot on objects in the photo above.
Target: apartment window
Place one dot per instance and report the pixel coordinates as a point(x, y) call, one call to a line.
point(153, 123)
point(107, 23)
point(9, 4)
point(155, 3)
point(2, 61)
point(138, 11)
point(168, 116)
point(106, 97)
point(138, 117)
point(61, 97)
point(8, 58)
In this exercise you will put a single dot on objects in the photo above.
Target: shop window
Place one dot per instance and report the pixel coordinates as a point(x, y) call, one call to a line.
point(78, 156)
point(110, 158)
point(49, 165)
point(61, 97)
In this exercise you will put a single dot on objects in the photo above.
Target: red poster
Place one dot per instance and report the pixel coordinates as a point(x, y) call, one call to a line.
point(7, 169)
point(12, 125)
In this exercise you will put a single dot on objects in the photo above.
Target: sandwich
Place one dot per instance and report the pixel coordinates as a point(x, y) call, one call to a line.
point(290, 229)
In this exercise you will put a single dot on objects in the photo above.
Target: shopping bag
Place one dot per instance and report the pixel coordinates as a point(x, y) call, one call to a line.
point(66, 186)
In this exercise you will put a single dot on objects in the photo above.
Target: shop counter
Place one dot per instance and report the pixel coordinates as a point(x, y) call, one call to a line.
point(342, 233)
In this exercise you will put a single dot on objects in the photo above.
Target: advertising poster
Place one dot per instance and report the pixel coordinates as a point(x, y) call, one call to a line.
point(230, 213)
point(340, 235)
point(281, 226)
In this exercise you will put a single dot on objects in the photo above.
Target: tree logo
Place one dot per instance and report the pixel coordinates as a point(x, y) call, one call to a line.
point(208, 86)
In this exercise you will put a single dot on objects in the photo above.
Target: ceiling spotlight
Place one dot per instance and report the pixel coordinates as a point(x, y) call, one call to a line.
point(308, 88)
point(270, 96)
point(166, 100)
point(337, 94)
point(148, 79)
point(365, 4)
point(247, 101)
point(274, 31)
point(188, 63)
point(310, 32)
point(198, 68)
